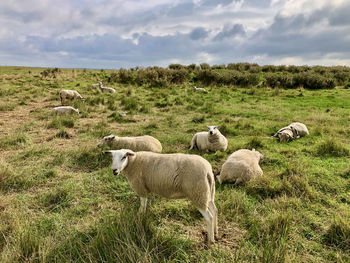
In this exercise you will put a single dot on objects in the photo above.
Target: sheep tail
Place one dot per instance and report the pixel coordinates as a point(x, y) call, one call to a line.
point(211, 182)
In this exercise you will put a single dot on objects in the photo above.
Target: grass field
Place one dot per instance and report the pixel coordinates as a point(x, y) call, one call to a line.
point(59, 201)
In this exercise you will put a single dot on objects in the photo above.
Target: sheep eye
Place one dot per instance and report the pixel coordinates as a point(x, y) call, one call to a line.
point(123, 158)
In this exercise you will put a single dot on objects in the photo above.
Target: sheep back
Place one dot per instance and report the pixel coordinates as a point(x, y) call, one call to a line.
point(172, 176)
point(241, 166)
point(140, 143)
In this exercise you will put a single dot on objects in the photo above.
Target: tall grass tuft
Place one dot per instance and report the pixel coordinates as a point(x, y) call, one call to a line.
point(125, 237)
point(338, 234)
point(332, 148)
point(18, 139)
point(254, 142)
point(275, 239)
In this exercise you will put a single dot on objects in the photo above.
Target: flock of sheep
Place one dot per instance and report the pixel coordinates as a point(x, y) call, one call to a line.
point(180, 175)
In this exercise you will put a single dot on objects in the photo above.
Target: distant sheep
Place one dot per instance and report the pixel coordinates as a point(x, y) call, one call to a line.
point(212, 140)
point(106, 89)
point(171, 176)
point(199, 89)
point(70, 95)
point(97, 85)
point(241, 166)
point(293, 131)
point(140, 143)
point(61, 110)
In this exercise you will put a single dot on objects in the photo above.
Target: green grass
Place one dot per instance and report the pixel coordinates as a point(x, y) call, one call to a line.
point(60, 202)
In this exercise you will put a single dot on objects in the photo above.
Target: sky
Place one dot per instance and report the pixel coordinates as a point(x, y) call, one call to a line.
point(123, 34)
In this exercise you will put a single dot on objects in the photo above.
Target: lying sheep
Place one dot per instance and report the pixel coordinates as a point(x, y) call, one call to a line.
point(241, 166)
point(140, 143)
point(172, 176)
point(69, 94)
point(293, 131)
point(199, 89)
point(97, 85)
point(212, 140)
point(61, 110)
point(106, 89)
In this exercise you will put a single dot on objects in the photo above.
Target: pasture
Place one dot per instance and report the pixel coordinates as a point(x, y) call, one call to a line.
point(60, 202)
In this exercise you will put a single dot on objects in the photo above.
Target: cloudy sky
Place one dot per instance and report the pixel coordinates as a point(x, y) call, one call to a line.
point(118, 33)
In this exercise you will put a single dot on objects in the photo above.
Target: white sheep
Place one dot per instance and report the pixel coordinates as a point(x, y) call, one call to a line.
point(69, 94)
point(106, 89)
point(300, 128)
point(199, 89)
point(140, 143)
point(97, 85)
point(172, 176)
point(293, 131)
point(61, 110)
point(212, 140)
point(241, 166)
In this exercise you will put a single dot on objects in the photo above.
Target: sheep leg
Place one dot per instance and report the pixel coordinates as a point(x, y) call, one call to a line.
point(214, 211)
point(143, 206)
point(210, 226)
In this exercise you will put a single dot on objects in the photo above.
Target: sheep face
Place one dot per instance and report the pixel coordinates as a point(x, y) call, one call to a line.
point(284, 137)
point(106, 140)
point(212, 130)
point(119, 159)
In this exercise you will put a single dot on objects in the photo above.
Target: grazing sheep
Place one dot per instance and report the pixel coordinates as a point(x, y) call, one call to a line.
point(172, 176)
point(140, 143)
point(69, 94)
point(293, 131)
point(106, 89)
point(241, 166)
point(212, 140)
point(61, 110)
point(199, 89)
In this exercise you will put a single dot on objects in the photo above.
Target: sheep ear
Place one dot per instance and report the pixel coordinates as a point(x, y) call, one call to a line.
point(130, 153)
point(208, 127)
point(216, 127)
point(107, 152)
point(110, 137)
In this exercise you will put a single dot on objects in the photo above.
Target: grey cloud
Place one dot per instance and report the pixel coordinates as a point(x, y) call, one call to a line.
point(230, 31)
point(198, 33)
point(213, 3)
point(340, 16)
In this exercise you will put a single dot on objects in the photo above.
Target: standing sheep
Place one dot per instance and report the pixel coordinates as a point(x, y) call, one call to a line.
point(172, 176)
point(241, 166)
point(61, 110)
point(140, 143)
point(69, 94)
point(212, 140)
point(106, 89)
point(293, 131)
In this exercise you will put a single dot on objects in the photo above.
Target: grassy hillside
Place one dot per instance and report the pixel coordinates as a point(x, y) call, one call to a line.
point(59, 201)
